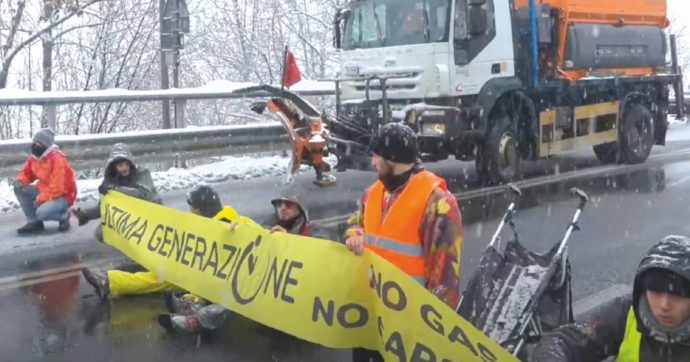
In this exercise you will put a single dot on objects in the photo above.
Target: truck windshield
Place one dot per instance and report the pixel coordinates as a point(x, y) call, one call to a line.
point(382, 23)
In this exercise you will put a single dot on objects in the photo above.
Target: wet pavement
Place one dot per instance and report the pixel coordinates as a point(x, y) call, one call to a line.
point(49, 313)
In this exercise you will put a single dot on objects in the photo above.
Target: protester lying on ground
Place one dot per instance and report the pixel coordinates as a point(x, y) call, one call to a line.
point(202, 200)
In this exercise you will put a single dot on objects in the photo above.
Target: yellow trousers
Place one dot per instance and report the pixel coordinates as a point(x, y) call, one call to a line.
point(123, 283)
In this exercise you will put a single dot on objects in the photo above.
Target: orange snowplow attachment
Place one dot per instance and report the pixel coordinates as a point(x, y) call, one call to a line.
point(307, 134)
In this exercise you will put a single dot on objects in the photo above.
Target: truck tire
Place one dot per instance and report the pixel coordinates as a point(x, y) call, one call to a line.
point(636, 138)
point(607, 152)
point(498, 159)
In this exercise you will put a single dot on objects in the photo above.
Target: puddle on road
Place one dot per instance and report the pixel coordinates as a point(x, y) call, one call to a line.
point(59, 318)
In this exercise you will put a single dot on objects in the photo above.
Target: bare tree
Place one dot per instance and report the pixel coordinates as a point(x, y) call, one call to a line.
point(120, 53)
point(64, 11)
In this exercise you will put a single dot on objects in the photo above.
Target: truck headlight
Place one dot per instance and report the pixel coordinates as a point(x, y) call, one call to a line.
point(433, 129)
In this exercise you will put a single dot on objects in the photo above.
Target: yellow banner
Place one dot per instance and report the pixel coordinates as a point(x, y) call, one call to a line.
point(314, 289)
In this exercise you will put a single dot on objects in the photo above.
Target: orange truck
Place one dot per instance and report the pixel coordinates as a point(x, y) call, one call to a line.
point(502, 82)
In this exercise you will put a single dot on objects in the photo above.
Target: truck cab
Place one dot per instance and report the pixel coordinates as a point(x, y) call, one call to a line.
point(499, 81)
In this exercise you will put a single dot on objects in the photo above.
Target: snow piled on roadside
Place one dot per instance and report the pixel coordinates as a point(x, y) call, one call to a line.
point(229, 168)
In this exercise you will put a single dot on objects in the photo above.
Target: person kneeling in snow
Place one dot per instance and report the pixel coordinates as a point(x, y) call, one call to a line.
point(55, 191)
point(192, 314)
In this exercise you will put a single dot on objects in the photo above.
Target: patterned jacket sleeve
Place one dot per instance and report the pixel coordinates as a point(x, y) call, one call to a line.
point(356, 221)
point(441, 232)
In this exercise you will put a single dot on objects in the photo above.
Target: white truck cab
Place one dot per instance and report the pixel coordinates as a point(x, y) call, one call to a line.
point(500, 81)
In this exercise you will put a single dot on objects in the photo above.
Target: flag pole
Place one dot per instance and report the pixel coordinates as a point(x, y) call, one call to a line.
point(283, 70)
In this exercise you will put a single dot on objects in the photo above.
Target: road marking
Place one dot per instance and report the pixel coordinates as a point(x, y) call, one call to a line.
point(41, 276)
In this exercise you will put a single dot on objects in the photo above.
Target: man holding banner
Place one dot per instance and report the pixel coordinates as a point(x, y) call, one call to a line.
point(409, 218)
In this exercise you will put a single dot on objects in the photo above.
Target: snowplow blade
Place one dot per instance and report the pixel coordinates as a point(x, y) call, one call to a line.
point(303, 124)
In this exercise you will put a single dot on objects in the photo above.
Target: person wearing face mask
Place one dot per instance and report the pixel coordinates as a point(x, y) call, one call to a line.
point(55, 187)
point(409, 218)
point(650, 325)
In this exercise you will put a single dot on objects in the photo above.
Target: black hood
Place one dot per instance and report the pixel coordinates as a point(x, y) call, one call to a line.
point(119, 152)
point(671, 254)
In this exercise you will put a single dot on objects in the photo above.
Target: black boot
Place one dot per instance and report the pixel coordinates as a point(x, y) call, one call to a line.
point(325, 180)
point(80, 215)
point(98, 282)
point(64, 225)
point(31, 228)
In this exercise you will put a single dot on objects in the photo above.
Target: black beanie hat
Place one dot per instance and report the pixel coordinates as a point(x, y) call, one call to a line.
point(206, 199)
point(395, 142)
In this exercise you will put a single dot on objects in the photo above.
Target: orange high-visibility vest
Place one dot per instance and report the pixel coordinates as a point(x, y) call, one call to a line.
point(395, 236)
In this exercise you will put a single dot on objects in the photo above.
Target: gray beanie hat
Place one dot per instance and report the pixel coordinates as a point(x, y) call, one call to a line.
point(45, 136)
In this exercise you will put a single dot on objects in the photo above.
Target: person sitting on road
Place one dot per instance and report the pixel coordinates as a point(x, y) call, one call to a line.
point(123, 175)
point(651, 324)
point(291, 216)
point(191, 314)
point(50, 198)
point(409, 218)
point(203, 200)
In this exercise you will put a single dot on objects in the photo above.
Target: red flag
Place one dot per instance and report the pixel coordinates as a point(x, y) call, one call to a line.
point(291, 74)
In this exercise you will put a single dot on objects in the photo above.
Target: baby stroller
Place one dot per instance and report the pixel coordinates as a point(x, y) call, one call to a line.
point(516, 295)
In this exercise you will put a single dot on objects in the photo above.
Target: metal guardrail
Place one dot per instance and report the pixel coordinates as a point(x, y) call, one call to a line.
point(165, 145)
point(92, 150)
point(21, 98)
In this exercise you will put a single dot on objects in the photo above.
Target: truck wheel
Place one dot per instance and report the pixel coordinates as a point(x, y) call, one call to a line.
point(636, 138)
point(498, 160)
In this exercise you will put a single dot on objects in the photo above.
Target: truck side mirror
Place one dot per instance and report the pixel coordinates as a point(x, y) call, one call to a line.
point(478, 21)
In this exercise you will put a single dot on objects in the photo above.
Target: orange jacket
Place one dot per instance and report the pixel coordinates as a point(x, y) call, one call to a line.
point(54, 174)
point(395, 236)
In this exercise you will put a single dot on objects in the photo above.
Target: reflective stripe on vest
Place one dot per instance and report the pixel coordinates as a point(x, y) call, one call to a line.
point(396, 236)
point(629, 350)
point(402, 248)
